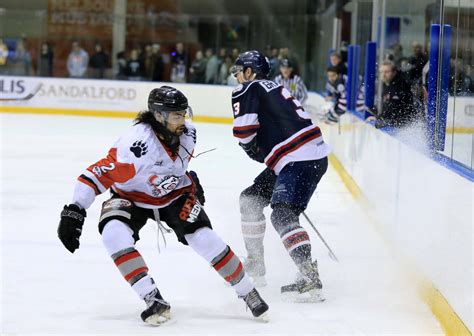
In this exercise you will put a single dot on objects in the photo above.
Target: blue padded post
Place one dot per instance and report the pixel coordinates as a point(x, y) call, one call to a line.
point(445, 74)
point(433, 83)
point(352, 76)
point(370, 74)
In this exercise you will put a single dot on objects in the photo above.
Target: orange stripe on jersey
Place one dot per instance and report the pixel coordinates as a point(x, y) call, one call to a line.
point(136, 196)
point(109, 170)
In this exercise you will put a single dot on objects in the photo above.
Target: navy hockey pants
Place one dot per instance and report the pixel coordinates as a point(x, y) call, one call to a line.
point(293, 187)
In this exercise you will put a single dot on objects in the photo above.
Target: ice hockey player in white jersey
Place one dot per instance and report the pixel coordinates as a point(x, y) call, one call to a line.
point(146, 172)
point(273, 128)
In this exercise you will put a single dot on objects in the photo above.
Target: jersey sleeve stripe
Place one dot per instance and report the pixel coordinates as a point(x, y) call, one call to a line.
point(84, 179)
point(96, 181)
point(244, 132)
point(248, 119)
point(294, 144)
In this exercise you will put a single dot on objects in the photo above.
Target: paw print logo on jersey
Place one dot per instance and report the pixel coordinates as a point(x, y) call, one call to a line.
point(139, 148)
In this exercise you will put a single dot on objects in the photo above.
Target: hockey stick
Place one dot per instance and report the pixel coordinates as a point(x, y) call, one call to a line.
point(331, 253)
point(27, 97)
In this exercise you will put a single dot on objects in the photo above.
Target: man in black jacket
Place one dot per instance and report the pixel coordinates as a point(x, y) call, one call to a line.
point(397, 99)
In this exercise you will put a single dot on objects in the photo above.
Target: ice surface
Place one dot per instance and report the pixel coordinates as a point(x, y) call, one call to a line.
point(47, 290)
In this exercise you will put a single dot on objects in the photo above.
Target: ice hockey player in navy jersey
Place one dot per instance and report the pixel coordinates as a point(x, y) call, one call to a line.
point(273, 128)
point(146, 172)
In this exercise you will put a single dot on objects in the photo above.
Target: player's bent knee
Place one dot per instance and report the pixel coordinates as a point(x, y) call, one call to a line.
point(251, 205)
point(117, 236)
point(206, 243)
point(284, 218)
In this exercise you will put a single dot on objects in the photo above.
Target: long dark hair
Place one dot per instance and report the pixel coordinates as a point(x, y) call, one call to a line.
point(171, 140)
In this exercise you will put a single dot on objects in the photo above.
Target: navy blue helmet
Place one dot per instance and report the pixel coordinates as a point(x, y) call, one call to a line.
point(252, 59)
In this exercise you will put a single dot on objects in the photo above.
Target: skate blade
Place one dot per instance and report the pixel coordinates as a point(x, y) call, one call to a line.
point(312, 296)
point(264, 317)
point(159, 319)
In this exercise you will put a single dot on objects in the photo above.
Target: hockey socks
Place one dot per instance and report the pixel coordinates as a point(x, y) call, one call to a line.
point(298, 245)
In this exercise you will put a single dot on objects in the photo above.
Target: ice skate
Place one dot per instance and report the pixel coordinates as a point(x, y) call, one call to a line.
point(158, 310)
point(255, 268)
point(306, 288)
point(257, 306)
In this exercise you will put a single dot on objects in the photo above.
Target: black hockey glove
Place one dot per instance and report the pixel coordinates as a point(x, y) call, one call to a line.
point(199, 189)
point(252, 150)
point(70, 226)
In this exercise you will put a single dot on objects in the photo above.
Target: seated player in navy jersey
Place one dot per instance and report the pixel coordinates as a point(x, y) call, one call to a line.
point(273, 128)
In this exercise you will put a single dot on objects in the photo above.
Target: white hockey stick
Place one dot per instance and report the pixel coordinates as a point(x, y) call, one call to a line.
point(27, 97)
point(331, 253)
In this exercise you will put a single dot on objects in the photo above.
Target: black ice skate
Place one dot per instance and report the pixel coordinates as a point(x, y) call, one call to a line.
point(306, 288)
point(255, 303)
point(158, 311)
point(255, 268)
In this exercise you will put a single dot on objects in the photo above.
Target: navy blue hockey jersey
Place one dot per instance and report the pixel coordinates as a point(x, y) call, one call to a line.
point(284, 130)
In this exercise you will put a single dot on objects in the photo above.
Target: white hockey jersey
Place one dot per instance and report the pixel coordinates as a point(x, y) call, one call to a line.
point(139, 168)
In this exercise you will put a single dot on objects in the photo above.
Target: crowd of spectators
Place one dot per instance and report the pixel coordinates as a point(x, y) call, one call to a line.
point(146, 63)
point(404, 78)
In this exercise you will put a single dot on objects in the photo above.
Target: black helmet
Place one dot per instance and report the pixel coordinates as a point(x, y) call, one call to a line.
point(252, 59)
point(167, 99)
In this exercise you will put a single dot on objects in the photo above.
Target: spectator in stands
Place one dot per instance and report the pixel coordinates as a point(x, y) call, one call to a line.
point(21, 64)
point(212, 66)
point(417, 61)
point(292, 82)
point(336, 61)
point(3, 57)
point(146, 59)
point(274, 62)
point(156, 63)
point(396, 55)
point(336, 88)
point(286, 53)
point(134, 68)
point(235, 53)
point(98, 62)
point(179, 61)
point(397, 99)
point(198, 68)
point(224, 70)
point(45, 61)
point(77, 61)
point(121, 65)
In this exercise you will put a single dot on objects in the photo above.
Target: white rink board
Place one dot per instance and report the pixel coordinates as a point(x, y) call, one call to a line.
point(424, 209)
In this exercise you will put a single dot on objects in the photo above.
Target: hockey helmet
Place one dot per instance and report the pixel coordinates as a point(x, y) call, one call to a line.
point(253, 59)
point(167, 99)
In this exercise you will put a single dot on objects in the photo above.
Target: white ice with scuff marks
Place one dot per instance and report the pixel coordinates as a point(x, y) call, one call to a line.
point(46, 290)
